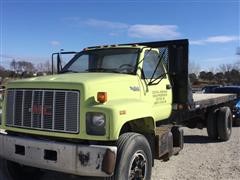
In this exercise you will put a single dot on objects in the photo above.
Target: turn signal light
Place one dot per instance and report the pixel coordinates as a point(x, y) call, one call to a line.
point(102, 97)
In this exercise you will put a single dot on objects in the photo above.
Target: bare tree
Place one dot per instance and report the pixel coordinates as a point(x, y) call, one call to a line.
point(40, 67)
point(212, 69)
point(44, 67)
point(13, 65)
point(225, 68)
point(236, 65)
point(48, 66)
point(193, 68)
point(22, 66)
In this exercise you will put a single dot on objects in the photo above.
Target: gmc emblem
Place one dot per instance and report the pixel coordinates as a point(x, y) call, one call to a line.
point(38, 109)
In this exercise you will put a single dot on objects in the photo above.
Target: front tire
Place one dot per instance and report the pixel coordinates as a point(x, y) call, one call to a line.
point(134, 159)
point(15, 171)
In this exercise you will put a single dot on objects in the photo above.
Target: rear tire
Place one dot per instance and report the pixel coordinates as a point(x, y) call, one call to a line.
point(134, 158)
point(212, 128)
point(15, 171)
point(224, 123)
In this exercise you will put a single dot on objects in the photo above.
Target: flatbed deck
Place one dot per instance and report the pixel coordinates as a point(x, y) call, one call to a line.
point(207, 100)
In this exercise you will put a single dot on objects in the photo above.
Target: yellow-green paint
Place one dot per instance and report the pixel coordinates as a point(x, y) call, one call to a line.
point(126, 93)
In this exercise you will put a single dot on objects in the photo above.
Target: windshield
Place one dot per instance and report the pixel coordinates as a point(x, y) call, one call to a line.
point(115, 60)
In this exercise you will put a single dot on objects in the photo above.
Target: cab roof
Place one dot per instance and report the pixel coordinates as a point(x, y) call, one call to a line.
point(114, 46)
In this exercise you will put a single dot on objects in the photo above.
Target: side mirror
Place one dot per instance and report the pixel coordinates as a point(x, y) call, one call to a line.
point(57, 61)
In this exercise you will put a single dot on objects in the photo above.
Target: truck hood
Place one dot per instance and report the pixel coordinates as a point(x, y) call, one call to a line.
point(84, 78)
point(116, 85)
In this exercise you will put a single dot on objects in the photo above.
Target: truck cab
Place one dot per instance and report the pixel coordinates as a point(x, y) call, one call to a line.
point(99, 113)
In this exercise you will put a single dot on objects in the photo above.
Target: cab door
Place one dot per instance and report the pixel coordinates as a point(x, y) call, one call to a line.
point(155, 84)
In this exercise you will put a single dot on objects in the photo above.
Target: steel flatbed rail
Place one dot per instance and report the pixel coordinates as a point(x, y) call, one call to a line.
point(207, 100)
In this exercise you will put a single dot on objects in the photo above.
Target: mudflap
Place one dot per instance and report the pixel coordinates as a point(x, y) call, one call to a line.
point(163, 143)
point(178, 139)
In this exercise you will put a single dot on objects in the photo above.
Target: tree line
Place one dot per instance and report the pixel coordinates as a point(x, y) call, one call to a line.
point(22, 69)
point(226, 74)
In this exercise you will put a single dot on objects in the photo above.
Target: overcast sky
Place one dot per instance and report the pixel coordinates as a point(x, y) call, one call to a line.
point(33, 29)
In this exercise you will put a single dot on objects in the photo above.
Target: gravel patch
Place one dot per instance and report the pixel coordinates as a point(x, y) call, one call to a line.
point(200, 159)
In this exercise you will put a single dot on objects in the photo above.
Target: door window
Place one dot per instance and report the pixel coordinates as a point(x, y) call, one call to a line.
point(151, 64)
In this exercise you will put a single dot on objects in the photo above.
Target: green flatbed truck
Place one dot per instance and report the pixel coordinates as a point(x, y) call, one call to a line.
point(109, 112)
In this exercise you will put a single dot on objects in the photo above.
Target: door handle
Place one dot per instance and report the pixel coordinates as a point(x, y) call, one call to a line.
point(168, 86)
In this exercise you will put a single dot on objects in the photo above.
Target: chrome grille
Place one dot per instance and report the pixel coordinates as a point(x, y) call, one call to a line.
point(51, 110)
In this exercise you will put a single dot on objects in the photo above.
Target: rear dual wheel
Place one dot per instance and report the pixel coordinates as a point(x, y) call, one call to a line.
point(212, 124)
point(219, 124)
point(224, 124)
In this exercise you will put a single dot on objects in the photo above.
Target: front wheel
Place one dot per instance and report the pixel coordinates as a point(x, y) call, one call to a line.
point(134, 159)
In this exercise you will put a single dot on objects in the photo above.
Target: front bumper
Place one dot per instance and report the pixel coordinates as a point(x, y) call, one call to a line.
point(85, 160)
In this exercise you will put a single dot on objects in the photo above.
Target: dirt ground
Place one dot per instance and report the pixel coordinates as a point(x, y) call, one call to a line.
point(200, 159)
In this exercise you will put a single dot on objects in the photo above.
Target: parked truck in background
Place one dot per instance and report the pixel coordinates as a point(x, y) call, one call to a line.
point(109, 112)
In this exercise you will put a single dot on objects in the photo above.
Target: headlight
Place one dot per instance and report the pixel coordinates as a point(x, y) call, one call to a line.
point(95, 123)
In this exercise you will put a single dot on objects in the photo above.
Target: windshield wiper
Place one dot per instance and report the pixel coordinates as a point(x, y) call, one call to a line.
point(102, 70)
point(158, 79)
point(69, 71)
